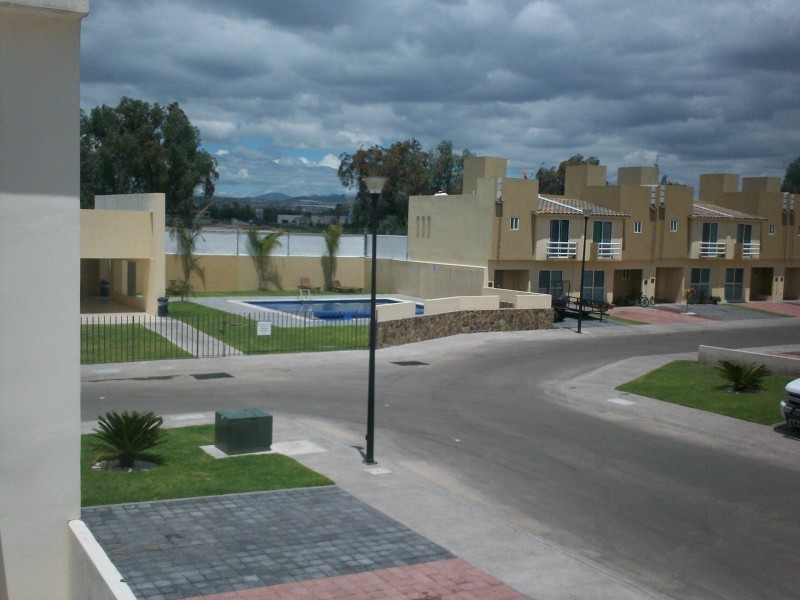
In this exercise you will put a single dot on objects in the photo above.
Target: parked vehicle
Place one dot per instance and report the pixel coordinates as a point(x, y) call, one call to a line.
point(790, 405)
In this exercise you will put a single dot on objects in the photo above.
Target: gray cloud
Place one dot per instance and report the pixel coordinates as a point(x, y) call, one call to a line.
point(283, 86)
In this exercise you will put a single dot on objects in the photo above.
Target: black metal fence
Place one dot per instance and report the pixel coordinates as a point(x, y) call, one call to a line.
point(109, 339)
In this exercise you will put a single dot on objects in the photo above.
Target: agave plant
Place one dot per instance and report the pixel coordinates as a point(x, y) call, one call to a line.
point(743, 376)
point(128, 437)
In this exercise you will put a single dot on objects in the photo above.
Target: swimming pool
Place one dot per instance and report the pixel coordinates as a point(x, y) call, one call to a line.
point(327, 310)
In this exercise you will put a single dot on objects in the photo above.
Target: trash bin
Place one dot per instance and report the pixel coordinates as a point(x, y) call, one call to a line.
point(105, 290)
point(163, 307)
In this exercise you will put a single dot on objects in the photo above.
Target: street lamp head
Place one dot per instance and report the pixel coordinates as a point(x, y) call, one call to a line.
point(374, 184)
point(587, 212)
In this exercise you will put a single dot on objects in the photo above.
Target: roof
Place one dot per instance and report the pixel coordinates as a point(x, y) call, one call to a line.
point(701, 210)
point(573, 206)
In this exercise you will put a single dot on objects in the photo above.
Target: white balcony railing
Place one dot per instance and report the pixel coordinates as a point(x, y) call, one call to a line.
point(712, 249)
point(607, 250)
point(751, 249)
point(561, 249)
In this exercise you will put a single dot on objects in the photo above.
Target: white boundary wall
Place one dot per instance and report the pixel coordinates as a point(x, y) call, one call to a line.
point(94, 576)
point(784, 365)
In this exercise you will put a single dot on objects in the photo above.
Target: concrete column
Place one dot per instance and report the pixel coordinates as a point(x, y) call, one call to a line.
point(39, 294)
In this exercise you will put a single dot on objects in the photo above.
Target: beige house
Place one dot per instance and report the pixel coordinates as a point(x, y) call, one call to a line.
point(122, 250)
point(636, 236)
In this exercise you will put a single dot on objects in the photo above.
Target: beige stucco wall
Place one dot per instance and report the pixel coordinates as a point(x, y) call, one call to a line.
point(450, 229)
point(39, 292)
point(120, 229)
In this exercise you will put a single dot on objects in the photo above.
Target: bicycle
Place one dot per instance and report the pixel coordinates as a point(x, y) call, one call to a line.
point(639, 298)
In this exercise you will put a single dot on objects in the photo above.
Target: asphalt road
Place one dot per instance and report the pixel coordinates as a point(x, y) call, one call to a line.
point(485, 417)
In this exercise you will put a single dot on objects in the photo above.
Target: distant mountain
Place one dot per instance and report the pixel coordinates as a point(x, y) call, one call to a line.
point(283, 199)
point(273, 196)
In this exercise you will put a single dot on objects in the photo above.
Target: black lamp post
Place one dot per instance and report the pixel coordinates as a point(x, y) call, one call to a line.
point(374, 187)
point(586, 214)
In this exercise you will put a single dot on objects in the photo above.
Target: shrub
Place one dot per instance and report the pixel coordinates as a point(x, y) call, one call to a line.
point(743, 376)
point(128, 437)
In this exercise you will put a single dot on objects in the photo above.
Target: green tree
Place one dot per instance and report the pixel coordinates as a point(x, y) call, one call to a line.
point(261, 250)
point(447, 168)
point(186, 236)
point(409, 170)
point(552, 180)
point(332, 236)
point(791, 180)
point(135, 147)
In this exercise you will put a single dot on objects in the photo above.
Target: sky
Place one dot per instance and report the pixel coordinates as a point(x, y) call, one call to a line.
point(280, 89)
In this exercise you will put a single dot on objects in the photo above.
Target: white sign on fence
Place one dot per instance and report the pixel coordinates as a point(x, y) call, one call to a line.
point(264, 328)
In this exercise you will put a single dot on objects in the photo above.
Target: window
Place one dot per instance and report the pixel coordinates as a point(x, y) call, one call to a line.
point(708, 244)
point(559, 245)
point(798, 230)
point(514, 225)
point(601, 235)
point(593, 285)
point(673, 226)
point(744, 233)
point(701, 282)
point(428, 232)
point(772, 229)
point(637, 227)
point(626, 273)
point(734, 285)
point(417, 226)
point(551, 282)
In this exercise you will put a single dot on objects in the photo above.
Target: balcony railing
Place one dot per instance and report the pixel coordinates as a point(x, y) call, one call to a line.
point(712, 249)
point(750, 249)
point(608, 250)
point(561, 249)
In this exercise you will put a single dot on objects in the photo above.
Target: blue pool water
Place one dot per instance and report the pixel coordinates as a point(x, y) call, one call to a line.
point(325, 309)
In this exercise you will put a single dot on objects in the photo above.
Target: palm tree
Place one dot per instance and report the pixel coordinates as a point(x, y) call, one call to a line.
point(186, 236)
point(332, 236)
point(260, 250)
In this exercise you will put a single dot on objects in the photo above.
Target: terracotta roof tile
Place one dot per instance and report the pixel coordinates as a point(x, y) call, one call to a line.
point(701, 210)
point(573, 206)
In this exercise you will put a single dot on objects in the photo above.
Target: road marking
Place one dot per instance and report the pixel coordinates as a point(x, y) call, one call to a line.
point(621, 402)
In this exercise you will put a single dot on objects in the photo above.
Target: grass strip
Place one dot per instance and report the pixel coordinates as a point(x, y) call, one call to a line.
point(188, 472)
point(700, 386)
point(125, 342)
point(241, 332)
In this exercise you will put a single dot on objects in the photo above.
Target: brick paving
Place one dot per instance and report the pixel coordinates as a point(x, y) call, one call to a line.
point(452, 579)
point(204, 546)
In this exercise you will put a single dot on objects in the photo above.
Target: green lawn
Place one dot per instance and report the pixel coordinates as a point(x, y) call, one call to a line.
point(123, 343)
point(240, 332)
point(697, 385)
point(189, 472)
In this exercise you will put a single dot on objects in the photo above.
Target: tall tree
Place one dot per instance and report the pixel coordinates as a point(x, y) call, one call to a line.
point(261, 251)
point(409, 169)
point(551, 181)
point(791, 180)
point(332, 236)
point(447, 168)
point(135, 147)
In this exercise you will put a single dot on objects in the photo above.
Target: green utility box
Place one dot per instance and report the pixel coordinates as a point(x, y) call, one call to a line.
point(243, 431)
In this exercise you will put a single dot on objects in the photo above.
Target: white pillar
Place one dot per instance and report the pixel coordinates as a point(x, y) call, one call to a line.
point(39, 293)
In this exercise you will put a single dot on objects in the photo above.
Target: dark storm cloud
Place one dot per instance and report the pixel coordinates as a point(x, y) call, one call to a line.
point(283, 88)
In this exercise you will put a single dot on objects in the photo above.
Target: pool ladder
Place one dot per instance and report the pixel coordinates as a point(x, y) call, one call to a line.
point(304, 297)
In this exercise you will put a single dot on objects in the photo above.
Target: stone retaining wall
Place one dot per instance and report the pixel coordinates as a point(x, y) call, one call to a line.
point(430, 327)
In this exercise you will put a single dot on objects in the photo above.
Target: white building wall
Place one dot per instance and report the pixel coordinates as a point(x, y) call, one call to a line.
point(39, 294)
